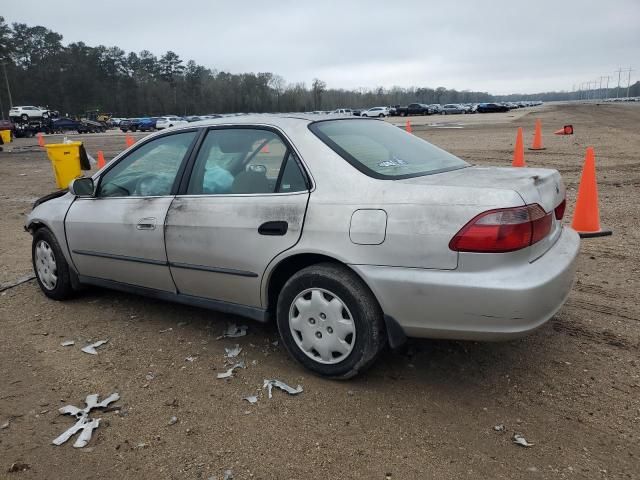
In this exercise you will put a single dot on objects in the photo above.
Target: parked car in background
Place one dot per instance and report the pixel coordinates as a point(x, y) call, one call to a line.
point(309, 241)
point(376, 112)
point(64, 124)
point(413, 109)
point(129, 124)
point(114, 122)
point(27, 113)
point(356, 112)
point(342, 111)
point(491, 107)
point(6, 125)
point(170, 121)
point(147, 124)
point(452, 108)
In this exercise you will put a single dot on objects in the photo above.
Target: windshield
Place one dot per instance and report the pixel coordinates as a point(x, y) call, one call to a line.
point(384, 151)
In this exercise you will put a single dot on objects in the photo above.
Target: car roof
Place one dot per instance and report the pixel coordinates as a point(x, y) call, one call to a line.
point(276, 120)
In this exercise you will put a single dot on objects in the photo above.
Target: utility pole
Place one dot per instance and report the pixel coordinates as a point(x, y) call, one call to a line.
point(607, 90)
point(602, 78)
point(6, 80)
point(619, 72)
point(629, 81)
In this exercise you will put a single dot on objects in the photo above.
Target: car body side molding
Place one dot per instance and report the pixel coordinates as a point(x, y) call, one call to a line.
point(253, 313)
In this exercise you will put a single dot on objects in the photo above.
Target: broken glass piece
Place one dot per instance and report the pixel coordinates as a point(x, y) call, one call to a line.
point(91, 349)
point(269, 384)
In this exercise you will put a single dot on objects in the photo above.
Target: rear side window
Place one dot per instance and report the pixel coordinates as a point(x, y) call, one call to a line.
point(244, 161)
point(384, 151)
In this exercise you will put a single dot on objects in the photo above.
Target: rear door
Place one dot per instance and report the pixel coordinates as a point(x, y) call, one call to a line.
point(118, 235)
point(244, 203)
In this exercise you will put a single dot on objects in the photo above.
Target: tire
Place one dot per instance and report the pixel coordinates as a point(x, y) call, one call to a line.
point(357, 317)
point(381, 115)
point(364, 115)
point(49, 265)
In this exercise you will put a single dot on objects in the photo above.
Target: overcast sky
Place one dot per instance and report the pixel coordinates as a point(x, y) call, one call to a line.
point(494, 45)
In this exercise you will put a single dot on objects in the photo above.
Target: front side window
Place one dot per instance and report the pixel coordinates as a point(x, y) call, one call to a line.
point(149, 170)
point(244, 161)
point(384, 151)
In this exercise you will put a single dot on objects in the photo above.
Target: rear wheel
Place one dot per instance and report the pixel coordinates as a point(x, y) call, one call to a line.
point(330, 321)
point(50, 266)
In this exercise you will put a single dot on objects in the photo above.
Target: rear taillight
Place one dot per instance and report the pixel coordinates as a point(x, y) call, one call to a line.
point(559, 210)
point(503, 230)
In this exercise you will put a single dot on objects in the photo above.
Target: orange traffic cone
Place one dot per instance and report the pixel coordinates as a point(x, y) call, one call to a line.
point(408, 127)
point(537, 137)
point(129, 140)
point(101, 162)
point(586, 218)
point(265, 149)
point(518, 152)
point(41, 139)
point(566, 130)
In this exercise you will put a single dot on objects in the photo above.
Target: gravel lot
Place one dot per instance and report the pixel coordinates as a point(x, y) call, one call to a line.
point(572, 388)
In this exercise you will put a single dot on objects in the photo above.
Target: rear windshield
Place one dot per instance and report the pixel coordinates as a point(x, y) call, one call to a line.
point(382, 150)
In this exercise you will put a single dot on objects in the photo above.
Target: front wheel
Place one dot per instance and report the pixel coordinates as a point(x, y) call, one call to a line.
point(50, 266)
point(330, 322)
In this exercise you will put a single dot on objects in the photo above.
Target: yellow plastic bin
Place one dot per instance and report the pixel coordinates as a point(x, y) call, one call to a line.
point(65, 160)
point(6, 136)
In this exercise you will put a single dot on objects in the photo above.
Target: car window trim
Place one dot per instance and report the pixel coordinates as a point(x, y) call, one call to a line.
point(189, 166)
point(355, 163)
point(144, 141)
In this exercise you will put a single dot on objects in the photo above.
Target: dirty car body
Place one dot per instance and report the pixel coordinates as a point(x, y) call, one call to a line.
point(350, 232)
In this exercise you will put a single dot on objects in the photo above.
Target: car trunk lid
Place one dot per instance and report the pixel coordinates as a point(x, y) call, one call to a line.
point(534, 185)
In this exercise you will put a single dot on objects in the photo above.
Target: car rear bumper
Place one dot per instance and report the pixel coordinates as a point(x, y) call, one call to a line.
point(500, 304)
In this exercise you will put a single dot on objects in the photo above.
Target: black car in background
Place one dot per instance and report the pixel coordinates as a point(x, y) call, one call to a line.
point(491, 108)
point(129, 124)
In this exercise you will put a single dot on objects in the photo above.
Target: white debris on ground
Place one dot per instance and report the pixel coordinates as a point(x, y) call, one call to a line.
point(190, 359)
point(233, 351)
point(229, 373)
point(269, 384)
point(84, 425)
point(173, 420)
point(5, 424)
point(228, 475)
point(68, 343)
point(91, 349)
point(251, 399)
point(520, 440)
point(499, 428)
point(234, 331)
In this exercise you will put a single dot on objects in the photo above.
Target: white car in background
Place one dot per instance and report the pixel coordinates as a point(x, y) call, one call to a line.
point(28, 112)
point(168, 122)
point(376, 112)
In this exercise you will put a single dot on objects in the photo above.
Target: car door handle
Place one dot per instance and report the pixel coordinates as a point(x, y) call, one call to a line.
point(148, 223)
point(273, 228)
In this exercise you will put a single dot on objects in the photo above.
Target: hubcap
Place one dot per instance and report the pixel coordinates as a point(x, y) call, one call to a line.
point(322, 326)
point(46, 265)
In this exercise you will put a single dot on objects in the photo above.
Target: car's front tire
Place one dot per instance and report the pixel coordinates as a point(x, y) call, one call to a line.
point(330, 322)
point(49, 265)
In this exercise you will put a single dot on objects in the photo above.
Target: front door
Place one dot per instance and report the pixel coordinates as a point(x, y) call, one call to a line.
point(118, 235)
point(244, 204)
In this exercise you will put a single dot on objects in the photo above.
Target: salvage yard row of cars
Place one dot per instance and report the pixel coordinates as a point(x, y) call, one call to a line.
point(431, 109)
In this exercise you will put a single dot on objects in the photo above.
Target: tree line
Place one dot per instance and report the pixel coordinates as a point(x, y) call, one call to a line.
point(40, 70)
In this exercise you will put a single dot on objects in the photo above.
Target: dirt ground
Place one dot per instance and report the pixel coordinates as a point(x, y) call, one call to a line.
point(572, 388)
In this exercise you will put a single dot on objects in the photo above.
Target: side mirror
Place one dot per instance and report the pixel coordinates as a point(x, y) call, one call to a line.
point(82, 187)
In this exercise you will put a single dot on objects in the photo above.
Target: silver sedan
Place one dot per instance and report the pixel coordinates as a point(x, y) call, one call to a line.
point(350, 233)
